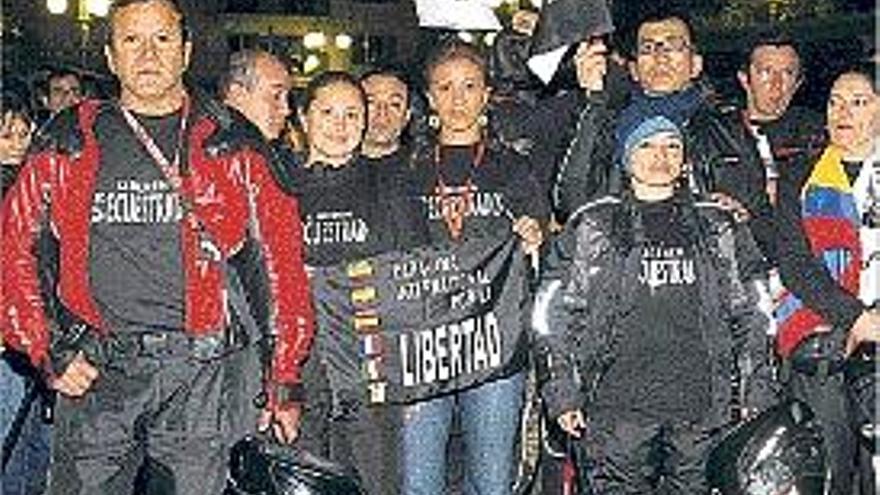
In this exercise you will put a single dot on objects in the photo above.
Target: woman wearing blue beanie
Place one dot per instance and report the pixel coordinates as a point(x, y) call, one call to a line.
point(641, 319)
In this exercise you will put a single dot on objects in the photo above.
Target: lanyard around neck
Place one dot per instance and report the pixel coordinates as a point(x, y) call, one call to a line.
point(171, 169)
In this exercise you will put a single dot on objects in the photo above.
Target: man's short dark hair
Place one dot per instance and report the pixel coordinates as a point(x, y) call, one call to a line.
point(117, 5)
point(767, 38)
point(664, 13)
point(62, 72)
point(660, 12)
point(390, 71)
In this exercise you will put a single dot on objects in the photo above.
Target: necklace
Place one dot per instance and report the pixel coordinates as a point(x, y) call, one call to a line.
point(456, 201)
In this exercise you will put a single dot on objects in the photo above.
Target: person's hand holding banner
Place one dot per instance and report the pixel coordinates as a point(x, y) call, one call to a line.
point(572, 422)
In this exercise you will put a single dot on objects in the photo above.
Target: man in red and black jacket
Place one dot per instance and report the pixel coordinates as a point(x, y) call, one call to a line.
point(151, 201)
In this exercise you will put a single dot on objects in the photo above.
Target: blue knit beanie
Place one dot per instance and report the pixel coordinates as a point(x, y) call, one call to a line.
point(640, 130)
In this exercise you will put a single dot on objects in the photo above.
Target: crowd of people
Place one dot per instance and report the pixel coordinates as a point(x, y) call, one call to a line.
point(691, 265)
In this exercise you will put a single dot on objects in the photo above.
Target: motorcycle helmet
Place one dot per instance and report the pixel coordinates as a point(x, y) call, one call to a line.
point(261, 467)
point(779, 452)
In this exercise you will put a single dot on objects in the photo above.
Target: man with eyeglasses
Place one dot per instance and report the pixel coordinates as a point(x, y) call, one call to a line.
point(666, 69)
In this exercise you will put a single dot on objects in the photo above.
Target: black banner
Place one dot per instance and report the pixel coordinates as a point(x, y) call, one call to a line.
point(405, 326)
point(563, 23)
point(568, 22)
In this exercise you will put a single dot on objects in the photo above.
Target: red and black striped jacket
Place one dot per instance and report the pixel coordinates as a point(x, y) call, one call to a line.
point(236, 199)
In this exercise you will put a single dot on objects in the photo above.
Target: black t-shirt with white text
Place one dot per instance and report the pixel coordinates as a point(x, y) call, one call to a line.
point(135, 255)
point(347, 216)
point(469, 192)
point(661, 368)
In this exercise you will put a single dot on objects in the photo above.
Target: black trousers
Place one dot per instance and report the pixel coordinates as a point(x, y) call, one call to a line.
point(630, 458)
point(180, 412)
point(827, 396)
point(369, 442)
point(365, 439)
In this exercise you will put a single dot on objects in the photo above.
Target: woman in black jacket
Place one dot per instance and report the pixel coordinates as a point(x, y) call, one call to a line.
point(642, 320)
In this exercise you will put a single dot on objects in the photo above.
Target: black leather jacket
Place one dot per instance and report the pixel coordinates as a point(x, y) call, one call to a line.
point(591, 275)
point(720, 149)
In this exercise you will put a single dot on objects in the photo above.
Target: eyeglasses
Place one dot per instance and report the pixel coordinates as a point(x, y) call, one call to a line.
point(765, 74)
point(666, 46)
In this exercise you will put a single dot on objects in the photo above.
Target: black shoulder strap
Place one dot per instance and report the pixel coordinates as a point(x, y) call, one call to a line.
point(238, 302)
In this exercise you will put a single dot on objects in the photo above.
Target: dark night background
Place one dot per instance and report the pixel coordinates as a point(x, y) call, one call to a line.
point(834, 34)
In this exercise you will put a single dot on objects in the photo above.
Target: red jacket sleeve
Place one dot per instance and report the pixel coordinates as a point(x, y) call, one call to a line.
point(23, 213)
point(277, 225)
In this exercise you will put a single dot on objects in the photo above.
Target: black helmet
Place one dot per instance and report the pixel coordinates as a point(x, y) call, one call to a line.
point(778, 450)
point(861, 374)
point(262, 467)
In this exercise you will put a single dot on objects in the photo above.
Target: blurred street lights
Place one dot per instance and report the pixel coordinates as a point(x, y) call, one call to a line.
point(86, 13)
point(56, 7)
point(314, 40)
point(311, 64)
point(343, 41)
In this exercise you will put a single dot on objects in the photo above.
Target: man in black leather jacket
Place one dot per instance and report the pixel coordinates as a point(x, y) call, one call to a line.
point(720, 151)
point(770, 76)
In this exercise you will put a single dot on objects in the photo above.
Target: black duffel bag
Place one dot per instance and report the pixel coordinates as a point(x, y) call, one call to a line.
point(259, 466)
